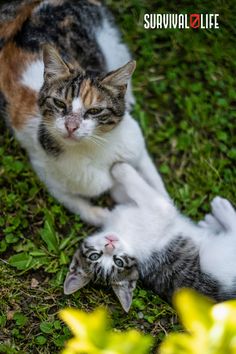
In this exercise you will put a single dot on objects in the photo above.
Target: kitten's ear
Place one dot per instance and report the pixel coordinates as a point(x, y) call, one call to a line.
point(77, 277)
point(124, 292)
point(54, 65)
point(121, 76)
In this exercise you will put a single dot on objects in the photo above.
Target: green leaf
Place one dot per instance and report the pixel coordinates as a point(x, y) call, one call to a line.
point(49, 235)
point(65, 242)
point(10, 238)
point(46, 327)
point(57, 324)
point(38, 253)
point(3, 320)
point(40, 340)
point(63, 258)
point(20, 319)
point(21, 261)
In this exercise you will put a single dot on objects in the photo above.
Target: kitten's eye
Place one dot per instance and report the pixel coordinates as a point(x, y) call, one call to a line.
point(119, 262)
point(59, 104)
point(94, 256)
point(94, 111)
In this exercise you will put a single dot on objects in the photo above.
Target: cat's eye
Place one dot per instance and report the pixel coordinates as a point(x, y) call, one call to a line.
point(119, 262)
point(94, 111)
point(94, 256)
point(59, 104)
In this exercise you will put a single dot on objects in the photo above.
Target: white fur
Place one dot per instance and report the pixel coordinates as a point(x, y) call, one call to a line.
point(33, 75)
point(83, 170)
point(77, 104)
point(152, 221)
point(116, 53)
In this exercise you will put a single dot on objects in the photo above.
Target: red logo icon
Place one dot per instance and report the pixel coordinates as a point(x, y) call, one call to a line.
point(195, 20)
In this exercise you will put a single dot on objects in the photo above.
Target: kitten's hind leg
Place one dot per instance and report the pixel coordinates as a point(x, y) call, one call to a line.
point(224, 212)
point(210, 222)
point(151, 175)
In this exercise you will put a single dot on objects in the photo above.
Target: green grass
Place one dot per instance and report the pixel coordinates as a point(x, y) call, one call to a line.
point(186, 100)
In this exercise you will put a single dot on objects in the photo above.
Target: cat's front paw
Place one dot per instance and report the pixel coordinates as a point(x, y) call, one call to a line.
point(97, 216)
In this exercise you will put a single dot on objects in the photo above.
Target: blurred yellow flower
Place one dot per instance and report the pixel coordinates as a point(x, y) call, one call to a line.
point(211, 328)
point(92, 335)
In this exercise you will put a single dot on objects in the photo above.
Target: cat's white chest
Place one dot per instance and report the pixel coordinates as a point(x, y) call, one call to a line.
point(82, 170)
point(81, 174)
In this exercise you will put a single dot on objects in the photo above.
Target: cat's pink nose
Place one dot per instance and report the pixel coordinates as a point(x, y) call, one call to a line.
point(71, 126)
point(111, 238)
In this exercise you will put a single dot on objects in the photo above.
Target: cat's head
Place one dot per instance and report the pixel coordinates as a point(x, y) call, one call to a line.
point(74, 105)
point(104, 258)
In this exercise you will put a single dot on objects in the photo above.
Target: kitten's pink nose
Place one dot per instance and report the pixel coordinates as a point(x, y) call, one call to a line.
point(111, 238)
point(71, 126)
point(110, 244)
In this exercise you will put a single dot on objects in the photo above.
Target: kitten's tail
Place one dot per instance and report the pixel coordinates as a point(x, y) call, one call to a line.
point(13, 15)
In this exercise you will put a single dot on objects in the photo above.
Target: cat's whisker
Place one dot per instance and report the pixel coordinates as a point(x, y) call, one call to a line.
point(93, 140)
point(100, 138)
point(97, 141)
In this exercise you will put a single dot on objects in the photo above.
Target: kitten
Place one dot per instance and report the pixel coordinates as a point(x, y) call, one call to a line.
point(66, 103)
point(149, 239)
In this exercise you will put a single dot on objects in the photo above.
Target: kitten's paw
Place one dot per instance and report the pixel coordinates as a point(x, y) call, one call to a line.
point(210, 222)
point(97, 216)
point(224, 212)
point(120, 170)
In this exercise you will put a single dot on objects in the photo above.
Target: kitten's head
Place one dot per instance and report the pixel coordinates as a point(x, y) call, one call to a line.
point(75, 104)
point(105, 258)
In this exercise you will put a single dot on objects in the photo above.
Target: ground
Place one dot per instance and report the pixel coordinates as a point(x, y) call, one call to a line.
point(186, 98)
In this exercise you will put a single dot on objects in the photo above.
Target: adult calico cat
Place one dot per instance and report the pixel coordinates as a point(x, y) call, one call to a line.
point(63, 78)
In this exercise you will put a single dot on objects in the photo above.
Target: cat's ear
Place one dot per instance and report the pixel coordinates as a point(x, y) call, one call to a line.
point(77, 277)
point(54, 65)
point(121, 76)
point(124, 292)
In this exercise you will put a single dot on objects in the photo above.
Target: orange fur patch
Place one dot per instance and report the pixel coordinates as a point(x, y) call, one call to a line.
point(10, 28)
point(89, 94)
point(21, 100)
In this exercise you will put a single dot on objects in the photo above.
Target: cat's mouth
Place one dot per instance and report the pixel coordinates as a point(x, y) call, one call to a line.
point(110, 246)
point(72, 137)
